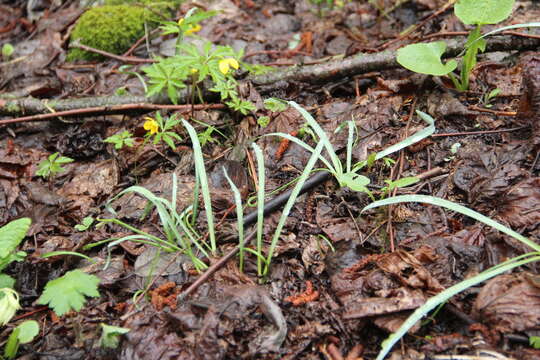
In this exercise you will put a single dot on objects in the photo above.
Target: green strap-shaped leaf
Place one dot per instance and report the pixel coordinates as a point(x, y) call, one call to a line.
point(482, 12)
point(425, 58)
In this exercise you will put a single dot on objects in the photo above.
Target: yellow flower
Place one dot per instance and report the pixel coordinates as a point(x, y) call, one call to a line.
point(192, 29)
point(194, 71)
point(151, 125)
point(226, 64)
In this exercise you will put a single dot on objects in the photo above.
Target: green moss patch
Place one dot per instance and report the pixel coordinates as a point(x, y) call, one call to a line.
point(113, 28)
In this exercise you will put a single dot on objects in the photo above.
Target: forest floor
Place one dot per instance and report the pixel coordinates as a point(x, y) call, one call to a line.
point(341, 280)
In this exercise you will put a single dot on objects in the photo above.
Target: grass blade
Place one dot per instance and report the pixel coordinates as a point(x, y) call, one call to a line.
point(201, 173)
point(239, 219)
point(260, 206)
point(322, 137)
point(443, 296)
point(288, 206)
point(458, 208)
point(420, 135)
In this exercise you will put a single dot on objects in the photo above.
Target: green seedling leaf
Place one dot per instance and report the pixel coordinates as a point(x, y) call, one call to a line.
point(28, 331)
point(12, 234)
point(263, 121)
point(534, 341)
point(483, 12)
point(110, 336)
point(354, 181)
point(7, 50)
point(275, 105)
point(22, 334)
point(425, 58)
point(68, 292)
point(85, 224)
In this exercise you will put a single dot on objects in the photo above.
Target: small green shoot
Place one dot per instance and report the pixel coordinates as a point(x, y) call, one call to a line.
point(85, 224)
point(241, 106)
point(400, 183)
point(487, 97)
point(24, 333)
point(125, 138)
point(68, 292)
point(7, 51)
point(534, 341)
point(275, 105)
point(110, 336)
point(52, 165)
point(263, 121)
point(161, 129)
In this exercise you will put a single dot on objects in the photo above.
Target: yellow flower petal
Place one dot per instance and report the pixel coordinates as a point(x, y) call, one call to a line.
point(193, 29)
point(151, 125)
point(180, 21)
point(226, 64)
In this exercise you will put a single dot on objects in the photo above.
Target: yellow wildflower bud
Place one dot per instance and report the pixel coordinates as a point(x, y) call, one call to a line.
point(194, 71)
point(192, 29)
point(180, 21)
point(151, 125)
point(226, 64)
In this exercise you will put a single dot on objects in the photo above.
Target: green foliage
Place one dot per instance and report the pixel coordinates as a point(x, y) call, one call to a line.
point(111, 28)
point(400, 183)
point(192, 65)
point(425, 58)
point(164, 132)
point(242, 106)
point(534, 341)
point(263, 121)
point(110, 336)
point(52, 165)
point(487, 97)
point(125, 138)
point(11, 235)
point(7, 50)
point(275, 105)
point(483, 12)
point(85, 224)
point(24, 333)
point(68, 292)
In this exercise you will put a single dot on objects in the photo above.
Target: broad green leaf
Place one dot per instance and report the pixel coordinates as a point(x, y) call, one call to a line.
point(482, 12)
point(28, 331)
point(68, 292)
point(425, 58)
point(354, 181)
point(12, 234)
point(6, 281)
